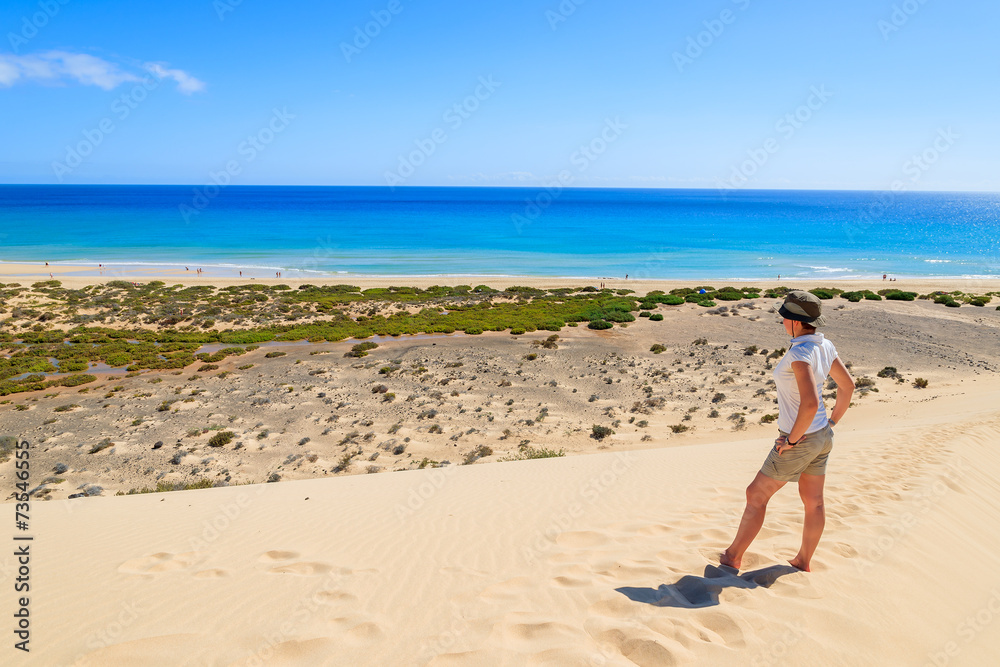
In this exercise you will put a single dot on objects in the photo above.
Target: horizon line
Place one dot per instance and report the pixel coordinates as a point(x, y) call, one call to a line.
point(495, 187)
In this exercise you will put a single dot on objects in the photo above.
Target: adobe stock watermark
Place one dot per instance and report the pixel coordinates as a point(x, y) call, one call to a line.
point(581, 159)
point(786, 127)
point(223, 7)
point(120, 110)
point(454, 117)
point(897, 530)
point(303, 611)
point(702, 41)
point(587, 496)
point(363, 35)
point(248, 150)
point(970, 628)
point(433, 482)
point(116, 627)
point(30, 25)
point(914, 167)
point(227, 514)
point(562, 12)
point(899, 17)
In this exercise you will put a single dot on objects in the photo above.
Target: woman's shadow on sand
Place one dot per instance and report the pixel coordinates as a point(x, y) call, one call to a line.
point(691, 592)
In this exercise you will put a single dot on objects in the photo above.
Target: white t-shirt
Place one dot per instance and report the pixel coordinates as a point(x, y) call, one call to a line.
point(819, 353)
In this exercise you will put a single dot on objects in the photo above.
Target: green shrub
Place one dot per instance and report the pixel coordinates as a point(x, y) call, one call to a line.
point(898, 295)
point(7, 445)
point(645, 313)
point(77, 380)
point(920, 383)
point(658, 348)
point(221, 439)
point(599, 324)
point(656, 317)
point(598, 432)
point(858, 295)
point(118, 359)
point(361, 349)
point(272, 355)
point(525, 452)
point(73, 365)
point(767, 419)
point(101, 446)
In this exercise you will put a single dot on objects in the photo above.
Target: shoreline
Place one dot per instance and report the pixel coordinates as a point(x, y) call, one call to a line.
point(77, 275)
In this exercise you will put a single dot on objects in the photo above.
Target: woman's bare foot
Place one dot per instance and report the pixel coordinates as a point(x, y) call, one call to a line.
point(729, 561)
point(799, 564)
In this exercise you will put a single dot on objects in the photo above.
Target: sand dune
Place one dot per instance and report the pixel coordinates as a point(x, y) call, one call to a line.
point(602, 559)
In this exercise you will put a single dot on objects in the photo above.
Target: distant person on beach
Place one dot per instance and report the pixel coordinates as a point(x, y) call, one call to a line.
point(883, 277)
point(805, 433)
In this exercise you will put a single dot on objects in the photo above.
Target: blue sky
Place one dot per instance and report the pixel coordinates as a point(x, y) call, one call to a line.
point(857, 94)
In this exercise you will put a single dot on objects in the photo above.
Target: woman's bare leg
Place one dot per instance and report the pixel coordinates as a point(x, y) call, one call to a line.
point(758, 494)
point(811, 492)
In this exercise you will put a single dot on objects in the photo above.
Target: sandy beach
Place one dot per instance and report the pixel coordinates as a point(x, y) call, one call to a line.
point(76, 276)
point(397, 533)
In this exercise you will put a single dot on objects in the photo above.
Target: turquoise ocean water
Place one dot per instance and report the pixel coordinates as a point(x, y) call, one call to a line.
point(679, 234)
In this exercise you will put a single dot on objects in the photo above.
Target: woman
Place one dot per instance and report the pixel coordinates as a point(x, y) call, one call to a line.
point(806, 434)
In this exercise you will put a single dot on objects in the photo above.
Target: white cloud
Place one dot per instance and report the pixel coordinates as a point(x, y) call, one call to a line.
point(84, 69)
point(186, 83)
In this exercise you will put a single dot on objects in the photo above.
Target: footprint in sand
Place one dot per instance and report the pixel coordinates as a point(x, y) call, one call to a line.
point(214, 573)
point(750, 559)
point(357, 629)
point(160, 562)
point(721, 628)
point(845, 550)
point(532, 633)
point(277, 556)
point(655, 530)
point(336, 597)
point(302, 569)
point(570, 582)
point(642, 651)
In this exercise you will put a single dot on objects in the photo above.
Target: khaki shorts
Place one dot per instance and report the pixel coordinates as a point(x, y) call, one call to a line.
point(808, 456)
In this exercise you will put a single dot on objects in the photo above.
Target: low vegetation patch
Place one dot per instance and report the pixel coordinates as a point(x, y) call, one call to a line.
point(221, 439)
point(598, 432)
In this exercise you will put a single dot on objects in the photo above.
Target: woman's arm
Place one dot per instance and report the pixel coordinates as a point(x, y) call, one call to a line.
point(845, 389)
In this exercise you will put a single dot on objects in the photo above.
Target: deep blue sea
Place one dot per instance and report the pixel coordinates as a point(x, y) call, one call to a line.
point(680, 234)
